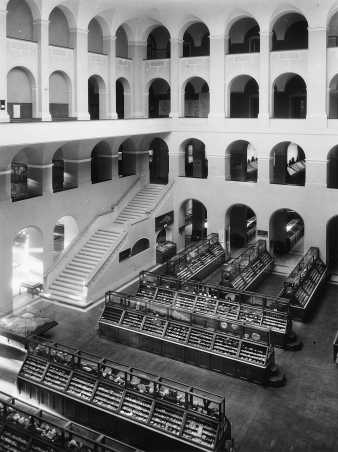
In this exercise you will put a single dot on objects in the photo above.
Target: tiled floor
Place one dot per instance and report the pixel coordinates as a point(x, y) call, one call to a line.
point(301, 417)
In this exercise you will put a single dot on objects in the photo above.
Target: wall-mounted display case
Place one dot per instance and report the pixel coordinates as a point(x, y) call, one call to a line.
point(198, 260)
point(122, 399)
point(304, 283)
point(208, 304)
point(225, 352)
point(248, 269)
point(24, 427)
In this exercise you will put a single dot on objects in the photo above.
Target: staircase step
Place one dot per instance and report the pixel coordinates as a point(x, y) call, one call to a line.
point(68, 279)
point(64, 299)
point(65, 290)
point(59, 285)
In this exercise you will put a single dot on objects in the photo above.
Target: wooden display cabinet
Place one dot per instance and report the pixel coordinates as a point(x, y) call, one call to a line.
point(121, 399)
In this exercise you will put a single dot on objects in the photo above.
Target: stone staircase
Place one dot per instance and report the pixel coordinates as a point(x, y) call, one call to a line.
point(71, 284)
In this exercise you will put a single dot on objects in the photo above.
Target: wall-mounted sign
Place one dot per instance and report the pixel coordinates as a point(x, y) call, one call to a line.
point(164, 220)
point(261, 233)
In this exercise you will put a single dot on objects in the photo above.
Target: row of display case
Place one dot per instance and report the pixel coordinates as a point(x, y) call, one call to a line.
point(24, 427)
point(219, 351)
point(198, 260)
point(304, 283)
point(189, 416)
point(206, 303)
point(248, 269)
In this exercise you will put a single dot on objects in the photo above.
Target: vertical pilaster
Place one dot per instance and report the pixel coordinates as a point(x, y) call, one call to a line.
point(139, 95)
point(4, 117)
point(217, 77)
point(42, 31)
point(110, 44)
point(317, 67)
point(81, 74)
point(264, 77)
point(175, 45)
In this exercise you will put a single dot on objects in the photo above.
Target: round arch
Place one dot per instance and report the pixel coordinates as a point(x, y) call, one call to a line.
point(332, 168)
point(193, 159)
point(21, 97)
point(123, 98)
point(101, 163)
point(96, 97)
point(19, 20)
point(196, 98)
point(122, 42)
point(332, 245)
point(27, 258)
point(196, 40)
point(64, 172)
point(286, 232)
point(95, 36)
point(244, 36)
point(60, 95)
point(193, 222)
point(159, 98)
point(64, 232)
point(240, 226)
point(241, 162)
point(244, 97)
point(26, 180)
point(289, 96)
point(127, 158)
point(158, 161)
point(289, 31)
point(158, 43)
point(61, 21)
point(287, 164)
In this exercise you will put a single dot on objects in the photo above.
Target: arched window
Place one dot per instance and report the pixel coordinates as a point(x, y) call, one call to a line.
point(159, 99)
point(196, 98)
point(244, 97)
point(101, 163)
point(290, 97)
point(20, 86)
point(158, 44)
point(140, 245)
point(290, 32)
point(121, 43)
point(195, 162)
point(241, 162)
point(19, 20)
point(95, 37)
point(196, 41)
point(59, 34)
point(59, 95)
point(288, 165)
point(244, 36)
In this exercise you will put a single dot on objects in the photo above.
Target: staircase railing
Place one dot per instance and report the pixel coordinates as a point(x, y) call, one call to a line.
point(106, 260)
point(100, 220)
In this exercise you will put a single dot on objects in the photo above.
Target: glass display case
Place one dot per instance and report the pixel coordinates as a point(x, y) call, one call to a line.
point(24, 427)
point(248, 269)
point(198, 260)
point(137, 397)
point(304, 283)
point(212, 306)
point(177, 335)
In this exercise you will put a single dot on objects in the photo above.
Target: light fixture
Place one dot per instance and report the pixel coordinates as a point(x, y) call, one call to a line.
point(190, 150)
point(151, 155)
point(120, 155)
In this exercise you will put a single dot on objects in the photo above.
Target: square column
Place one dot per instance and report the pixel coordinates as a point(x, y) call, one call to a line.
point(175, 46)
point(4, 117)
point(317, 74)
point(81, 74)
point(139, 96)
point(110, 45)
point(265, 93)
point(42, 31)
point(217, 77)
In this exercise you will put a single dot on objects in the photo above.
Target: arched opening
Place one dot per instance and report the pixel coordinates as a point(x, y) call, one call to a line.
point(20, 88)
point(193, 221)
point(290, 32)
point(64, 172)
point(60, 96)
point(122, 45)
point(196, 40)
point(27, 255)
point(241, 162)
point(158, 162)
point(96, 97)
point(119, 99)
point(158, 44)
point(287, 164)
point(244, 97)
point(196, 98)
point(101, 163)
point(159, 99)
point(333, 98)
point(332, 168)
point(290, 97)
point(127, 159)
point(140, 246)
point(26, 179)
point(59, 33)
point(332, 245)
point(65, 230)
point(95, 37)
point(195, 161)
point(286, 232)
point(19, 24)
point(240, 228)
point(244, 36)
point(332, 31)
